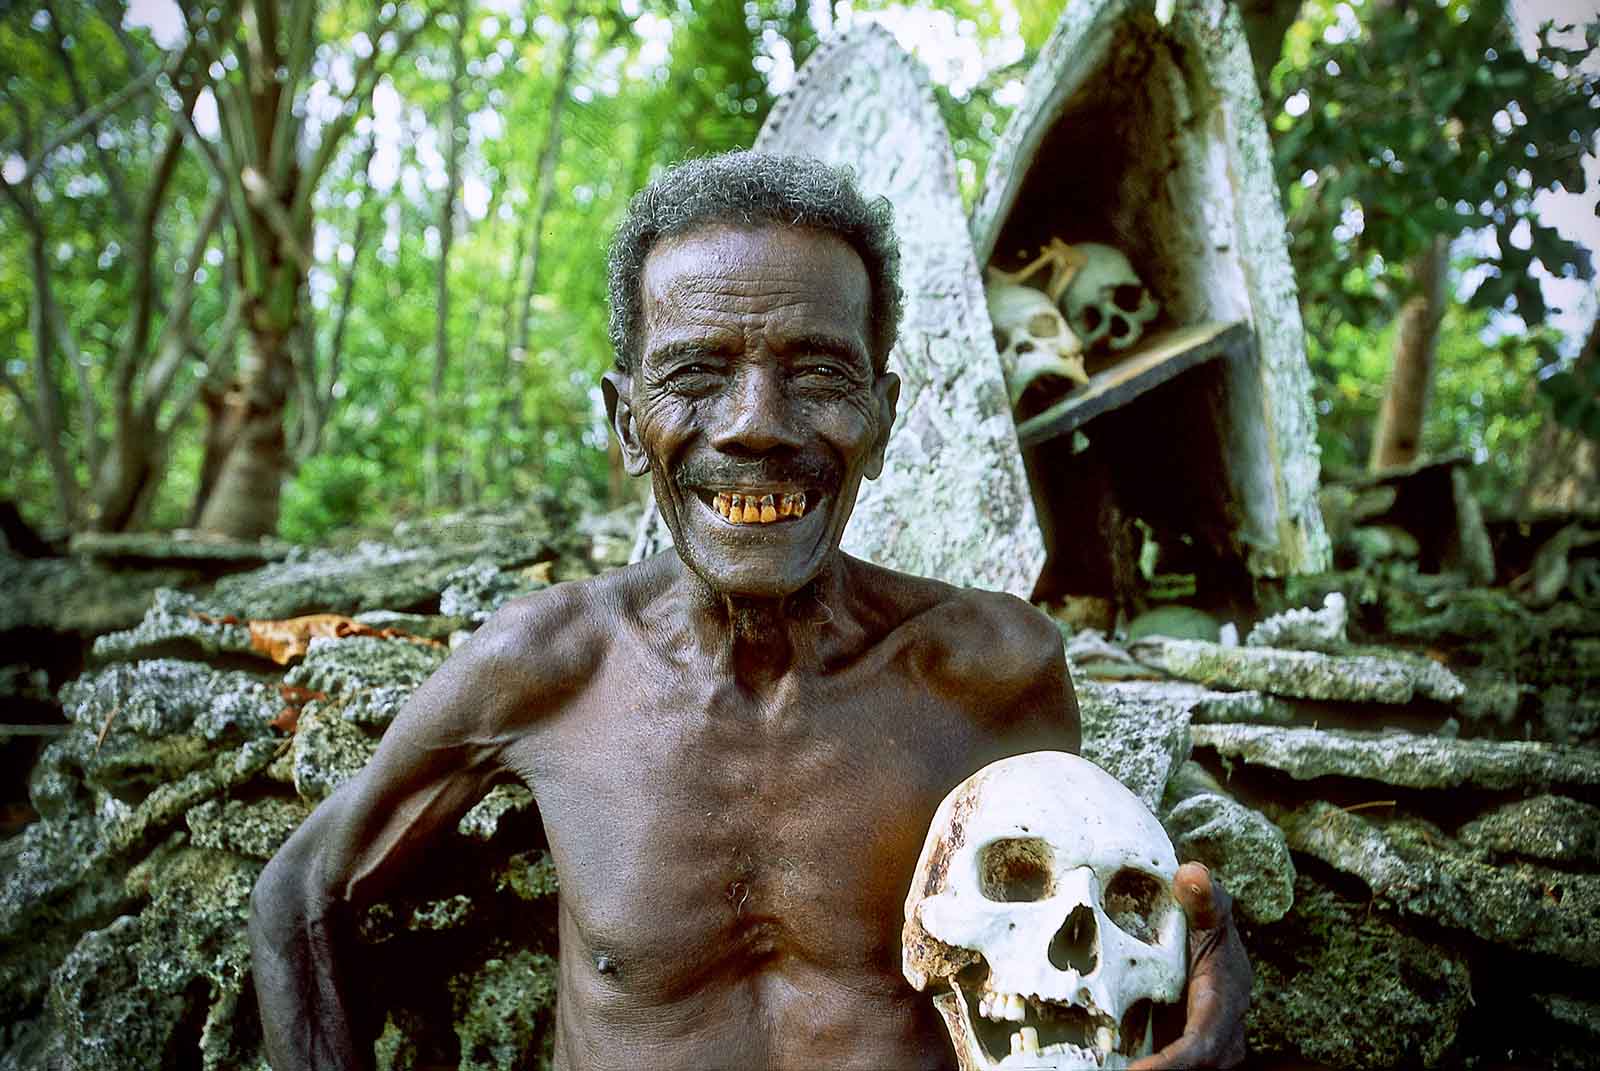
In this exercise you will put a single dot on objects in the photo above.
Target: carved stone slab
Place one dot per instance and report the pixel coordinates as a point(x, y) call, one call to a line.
point(1191, 198)
point(953, 500)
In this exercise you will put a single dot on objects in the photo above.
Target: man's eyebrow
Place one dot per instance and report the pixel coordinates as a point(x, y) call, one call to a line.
point(832, 345)
point(686, 350)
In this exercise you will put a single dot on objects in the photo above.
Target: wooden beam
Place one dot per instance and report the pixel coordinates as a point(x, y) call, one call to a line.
point(1154, 361)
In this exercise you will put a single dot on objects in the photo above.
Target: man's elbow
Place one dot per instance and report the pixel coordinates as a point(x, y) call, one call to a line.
point(286, 896)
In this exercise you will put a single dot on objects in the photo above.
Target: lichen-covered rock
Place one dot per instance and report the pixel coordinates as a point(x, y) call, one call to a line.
point(1302, 674)
point(1552, 829)
point(55, 883)
point(327, 751)
point(161, 697)
point(1491, 697)
point(1340, 985)
point(529, 876)
point(1250, 708)
point(372, 576)
point(1137, 731)
point(501, 1009)
point(483, 821)
point(159, 988)
point(368, 678)
point(180, 548)
point(450, 913)
point(1405, 760)
point(1410, 865)
point(1582, 1016)
point(478, 590)
point(1304, 628)
point(174, 623)
point(67, 874)
point(1241, 847)
point(168, 803)
point(77, 595)
point(256, 829)
point(137, 726)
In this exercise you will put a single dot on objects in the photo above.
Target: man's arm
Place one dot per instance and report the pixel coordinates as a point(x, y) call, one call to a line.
point(440, 756)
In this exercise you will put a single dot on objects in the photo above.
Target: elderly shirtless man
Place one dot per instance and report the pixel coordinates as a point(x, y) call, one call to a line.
point(736, 749)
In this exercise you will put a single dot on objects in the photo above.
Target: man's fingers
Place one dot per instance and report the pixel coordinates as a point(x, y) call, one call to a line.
point(1209, 1039)
point(1198, 895)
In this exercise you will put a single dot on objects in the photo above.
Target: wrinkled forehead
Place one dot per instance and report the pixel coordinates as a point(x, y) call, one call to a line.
point(808, 278)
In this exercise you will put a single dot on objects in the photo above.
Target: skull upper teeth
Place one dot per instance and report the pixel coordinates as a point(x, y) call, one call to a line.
point(743, 508)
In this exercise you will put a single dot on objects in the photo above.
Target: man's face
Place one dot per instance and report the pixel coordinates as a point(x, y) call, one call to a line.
point(755, 406)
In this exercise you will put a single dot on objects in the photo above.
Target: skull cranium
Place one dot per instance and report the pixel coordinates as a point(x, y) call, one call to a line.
point(1105, 303)
point(1043, 901)
point(1037, 348)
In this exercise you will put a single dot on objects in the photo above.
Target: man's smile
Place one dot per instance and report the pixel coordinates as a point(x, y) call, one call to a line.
point(757, 506)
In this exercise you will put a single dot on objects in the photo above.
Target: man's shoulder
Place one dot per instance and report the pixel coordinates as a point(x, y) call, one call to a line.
point(996, 658)
point(552, 641)
point(978, 634)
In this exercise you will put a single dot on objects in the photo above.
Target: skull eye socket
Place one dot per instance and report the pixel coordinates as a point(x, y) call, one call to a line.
point(1091, 319)
point(1135, 901)
point(1001, 340)
point(1128, 297)
point(1016, 869)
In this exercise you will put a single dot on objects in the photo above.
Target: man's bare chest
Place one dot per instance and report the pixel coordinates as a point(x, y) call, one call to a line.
point(695, 833)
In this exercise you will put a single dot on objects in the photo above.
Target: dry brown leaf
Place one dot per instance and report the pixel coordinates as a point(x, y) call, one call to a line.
point(288, 639)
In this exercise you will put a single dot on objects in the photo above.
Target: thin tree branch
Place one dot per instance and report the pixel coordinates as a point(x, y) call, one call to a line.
point(87, 410)
point(211, 365)
point(159, 379)
point(144, 280)
point(263, 198)
point(24, 124)
point(114, 176)
point(366, 80)
point(90, 118)
point(302, 41)
point(347, 291)
point(23, 401)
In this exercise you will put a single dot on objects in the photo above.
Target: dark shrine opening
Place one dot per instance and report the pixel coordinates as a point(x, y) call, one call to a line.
point(1139, 469)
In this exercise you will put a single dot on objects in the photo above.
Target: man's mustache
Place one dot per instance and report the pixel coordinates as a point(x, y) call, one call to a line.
point(803, 470)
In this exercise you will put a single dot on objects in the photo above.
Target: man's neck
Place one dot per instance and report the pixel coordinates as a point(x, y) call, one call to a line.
point(759, 639)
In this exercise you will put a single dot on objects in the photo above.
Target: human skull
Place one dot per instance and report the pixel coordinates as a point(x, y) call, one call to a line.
point(1043, 901)
point(1105, 302)
point(1037, 348)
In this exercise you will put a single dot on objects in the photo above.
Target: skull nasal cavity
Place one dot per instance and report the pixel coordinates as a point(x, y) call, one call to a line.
point(1015, 869)
point(1073, 946)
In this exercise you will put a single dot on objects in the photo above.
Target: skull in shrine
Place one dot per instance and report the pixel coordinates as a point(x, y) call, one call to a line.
point(1105, 303)
point(1037, 348)
point(1042, 916)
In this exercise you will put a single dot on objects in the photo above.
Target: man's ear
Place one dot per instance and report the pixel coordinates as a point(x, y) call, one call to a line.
point(886, 391)
point(617, 388)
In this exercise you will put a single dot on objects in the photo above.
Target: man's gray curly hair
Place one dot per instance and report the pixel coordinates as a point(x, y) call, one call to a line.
point(755, 188)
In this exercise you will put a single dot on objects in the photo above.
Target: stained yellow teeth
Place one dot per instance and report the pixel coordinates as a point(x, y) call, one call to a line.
point(758, 509)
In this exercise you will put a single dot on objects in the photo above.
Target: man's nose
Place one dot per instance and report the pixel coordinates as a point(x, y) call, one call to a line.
point(756, 419)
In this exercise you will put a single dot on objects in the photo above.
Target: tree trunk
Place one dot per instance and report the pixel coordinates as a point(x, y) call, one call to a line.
point(531, 241)
point(1565, 472)
point(243, 502)
point(433, 460)
point(1398, 437)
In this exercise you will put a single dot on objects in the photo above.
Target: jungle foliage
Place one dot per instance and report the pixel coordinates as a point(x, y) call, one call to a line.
point(358, 250)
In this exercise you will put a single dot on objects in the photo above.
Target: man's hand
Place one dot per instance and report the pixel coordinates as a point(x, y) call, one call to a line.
point(1219, 980)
